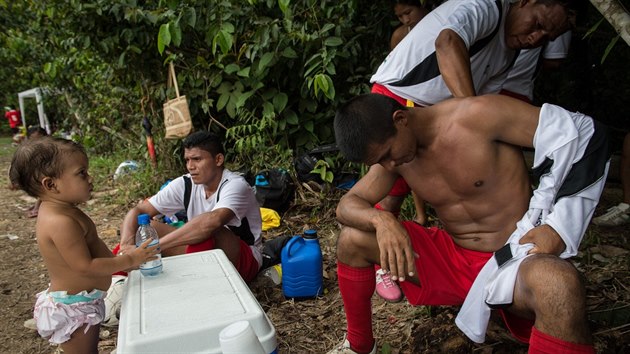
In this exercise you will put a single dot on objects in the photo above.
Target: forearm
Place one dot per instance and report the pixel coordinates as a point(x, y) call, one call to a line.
point(130, 222)
point(357, 213)
point(129, 227)
point(107, 265)
point(196, 230)
point(454, 63)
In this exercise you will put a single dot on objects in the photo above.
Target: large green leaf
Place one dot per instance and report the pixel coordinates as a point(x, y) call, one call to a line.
point(164, 37)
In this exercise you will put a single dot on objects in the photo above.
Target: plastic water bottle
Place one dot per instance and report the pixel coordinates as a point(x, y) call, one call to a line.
point(145, 232)
point(302, 267)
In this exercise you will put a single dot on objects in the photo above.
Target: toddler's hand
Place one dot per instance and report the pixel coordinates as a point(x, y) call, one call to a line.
point(144, 253)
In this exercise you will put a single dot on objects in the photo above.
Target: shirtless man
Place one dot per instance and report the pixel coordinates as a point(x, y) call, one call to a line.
point(463, 156)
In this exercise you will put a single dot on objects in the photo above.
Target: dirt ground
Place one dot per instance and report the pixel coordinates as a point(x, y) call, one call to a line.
point(315, 326)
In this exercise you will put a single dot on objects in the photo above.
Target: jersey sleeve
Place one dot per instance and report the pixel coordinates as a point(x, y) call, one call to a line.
point(170, 199)
point(473, 20)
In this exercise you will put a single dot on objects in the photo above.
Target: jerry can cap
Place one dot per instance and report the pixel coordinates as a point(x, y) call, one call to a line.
point(310, 234)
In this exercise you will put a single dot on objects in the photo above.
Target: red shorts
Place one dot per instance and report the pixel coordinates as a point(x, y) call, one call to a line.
point(247, 265)
point(447, 271)
point(382, 90)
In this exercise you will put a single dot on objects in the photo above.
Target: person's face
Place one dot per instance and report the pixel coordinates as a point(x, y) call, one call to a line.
point(530, 25)
point(395, 151)
point(202, 166)
point(408, 15)
point(74, 186)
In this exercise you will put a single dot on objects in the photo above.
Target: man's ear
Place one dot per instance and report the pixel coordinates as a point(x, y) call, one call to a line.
point(49, 184)
point(400, 116)
point(219, 159)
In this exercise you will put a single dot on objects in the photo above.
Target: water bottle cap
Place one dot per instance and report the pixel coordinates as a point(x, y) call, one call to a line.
point(144, 219)
point(310, 234)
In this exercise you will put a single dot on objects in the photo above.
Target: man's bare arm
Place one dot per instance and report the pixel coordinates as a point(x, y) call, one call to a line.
point(130, 223)
point(454, 63)
point(356, 208)
point(198, 229)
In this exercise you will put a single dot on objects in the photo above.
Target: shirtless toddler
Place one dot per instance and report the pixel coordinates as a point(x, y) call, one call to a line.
point(79, 263)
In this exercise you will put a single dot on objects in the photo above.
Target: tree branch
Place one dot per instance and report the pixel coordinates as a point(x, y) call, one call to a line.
point(616, 15)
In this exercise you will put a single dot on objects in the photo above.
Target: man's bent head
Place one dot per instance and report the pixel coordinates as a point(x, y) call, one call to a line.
point(363, 121)
point(532, 23)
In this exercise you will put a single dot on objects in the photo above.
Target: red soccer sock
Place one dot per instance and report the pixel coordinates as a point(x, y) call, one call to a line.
point(541, 343)
point(357, 286)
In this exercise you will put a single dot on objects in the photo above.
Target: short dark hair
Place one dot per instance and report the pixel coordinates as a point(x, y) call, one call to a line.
point(205, 140)
point(362, 121)
point(36, 130)
point(35, 159)
point(426, 4)
point(416, 3)
point(570, 6)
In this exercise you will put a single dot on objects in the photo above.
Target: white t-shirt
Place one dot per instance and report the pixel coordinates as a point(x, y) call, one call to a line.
point(233, 193)
point(521, 78)
point(411, 69)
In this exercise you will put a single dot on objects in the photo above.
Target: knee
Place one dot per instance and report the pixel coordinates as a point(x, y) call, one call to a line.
point(352, 244)
point(552, 281)
point(345, 243)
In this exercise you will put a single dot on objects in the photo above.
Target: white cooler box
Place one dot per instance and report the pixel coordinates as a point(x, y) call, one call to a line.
point(184, 309)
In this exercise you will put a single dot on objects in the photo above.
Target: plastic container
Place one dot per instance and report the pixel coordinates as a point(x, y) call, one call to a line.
point(302, 267)
point(146, 231)
point(239, 337)
point(125, 167)
point(274, 273)
point(185, 309)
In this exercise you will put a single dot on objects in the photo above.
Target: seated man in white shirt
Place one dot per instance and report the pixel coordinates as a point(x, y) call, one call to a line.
point(221, 208)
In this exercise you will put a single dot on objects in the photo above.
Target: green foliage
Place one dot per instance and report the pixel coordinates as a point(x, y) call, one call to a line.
point(271, 71)
point(323, 169)
point(583, 83)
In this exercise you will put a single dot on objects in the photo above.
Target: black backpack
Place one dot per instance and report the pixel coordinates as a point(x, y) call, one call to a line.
point(306, 162)
point(274, 189)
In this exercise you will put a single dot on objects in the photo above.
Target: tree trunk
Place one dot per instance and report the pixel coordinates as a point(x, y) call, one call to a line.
point(616, 15)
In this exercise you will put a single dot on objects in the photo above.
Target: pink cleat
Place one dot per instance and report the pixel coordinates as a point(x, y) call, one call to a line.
point(386, 288)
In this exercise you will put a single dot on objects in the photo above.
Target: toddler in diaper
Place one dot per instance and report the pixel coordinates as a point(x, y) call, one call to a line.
point(78, 262)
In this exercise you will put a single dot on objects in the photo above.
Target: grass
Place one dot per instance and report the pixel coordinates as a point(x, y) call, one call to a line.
point(6, 149)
